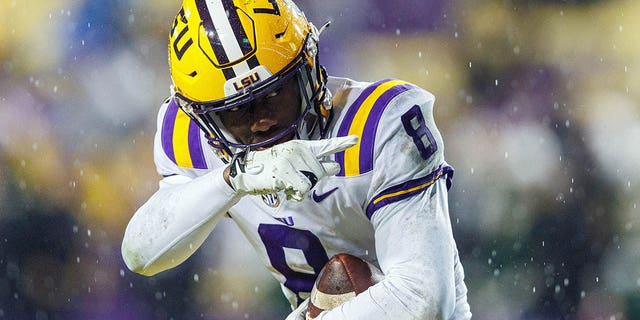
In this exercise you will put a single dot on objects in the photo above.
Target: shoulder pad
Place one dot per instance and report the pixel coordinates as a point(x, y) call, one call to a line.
point(362, 119)
point(181, 138)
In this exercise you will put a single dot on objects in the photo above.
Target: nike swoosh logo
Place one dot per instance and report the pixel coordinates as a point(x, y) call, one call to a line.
point(319, 197)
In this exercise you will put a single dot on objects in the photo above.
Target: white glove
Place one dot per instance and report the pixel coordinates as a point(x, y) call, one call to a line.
point(293, 166)
point(300, 313)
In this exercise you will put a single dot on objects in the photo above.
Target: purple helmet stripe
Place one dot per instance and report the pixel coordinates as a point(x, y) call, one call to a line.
point(238, 29)
point(253, 61)
point(214, 39)
point(408, 189)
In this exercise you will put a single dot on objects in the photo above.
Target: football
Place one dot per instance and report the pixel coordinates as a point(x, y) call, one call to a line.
point(341, 279)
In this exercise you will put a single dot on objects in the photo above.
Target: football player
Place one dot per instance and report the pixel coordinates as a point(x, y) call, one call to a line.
point(306, 165)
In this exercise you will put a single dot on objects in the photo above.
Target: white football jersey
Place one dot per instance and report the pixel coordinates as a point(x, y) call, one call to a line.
point(396, 170)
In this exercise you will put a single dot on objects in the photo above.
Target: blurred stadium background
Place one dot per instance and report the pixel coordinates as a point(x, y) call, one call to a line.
point(538, 102)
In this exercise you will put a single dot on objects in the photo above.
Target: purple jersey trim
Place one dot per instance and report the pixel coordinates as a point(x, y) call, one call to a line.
point(193, 137)
point(348, 118)
point(422, 183)
point(195, 146)
point(351, 112)
point(167, 129)
point(368, 138)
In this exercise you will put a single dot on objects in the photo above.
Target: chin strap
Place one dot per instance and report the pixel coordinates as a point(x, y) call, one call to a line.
point(324, 102)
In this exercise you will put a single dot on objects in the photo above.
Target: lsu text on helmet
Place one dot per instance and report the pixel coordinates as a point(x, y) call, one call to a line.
point(224, 54)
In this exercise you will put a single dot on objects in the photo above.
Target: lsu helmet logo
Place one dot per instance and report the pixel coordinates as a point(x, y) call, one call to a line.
point(246, 81)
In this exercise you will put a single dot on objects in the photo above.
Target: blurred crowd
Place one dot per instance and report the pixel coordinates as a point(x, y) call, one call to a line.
point(538, 103)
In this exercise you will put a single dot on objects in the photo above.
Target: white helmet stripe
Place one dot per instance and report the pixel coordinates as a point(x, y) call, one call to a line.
point(226, 34)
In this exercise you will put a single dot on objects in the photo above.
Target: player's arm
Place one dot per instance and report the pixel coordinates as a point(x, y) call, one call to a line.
point(177, 219)
point(409, 211)
point(418, 257)
point(419, 267)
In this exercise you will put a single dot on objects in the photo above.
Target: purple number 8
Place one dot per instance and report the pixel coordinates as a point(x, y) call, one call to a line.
point(414, 125)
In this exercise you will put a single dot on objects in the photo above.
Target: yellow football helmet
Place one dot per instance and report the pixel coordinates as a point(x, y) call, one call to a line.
point(225, 53)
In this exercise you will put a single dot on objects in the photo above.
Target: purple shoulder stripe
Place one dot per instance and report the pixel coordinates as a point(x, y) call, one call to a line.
point(366, 126)
point(187, 136)
point(353, 109)
point(195, 146)
point(168, 124)
point(368, 138)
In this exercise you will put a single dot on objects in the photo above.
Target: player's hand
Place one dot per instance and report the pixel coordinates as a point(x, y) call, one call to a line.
point(300, 313)
point(294, 166)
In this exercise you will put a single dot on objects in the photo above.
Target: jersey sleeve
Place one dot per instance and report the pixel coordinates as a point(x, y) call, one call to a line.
point(192, 197)
point(400, 145)
point(402, 153)
point(416, 251)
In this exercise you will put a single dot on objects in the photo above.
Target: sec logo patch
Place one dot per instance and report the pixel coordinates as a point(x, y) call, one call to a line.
point(272, 200)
